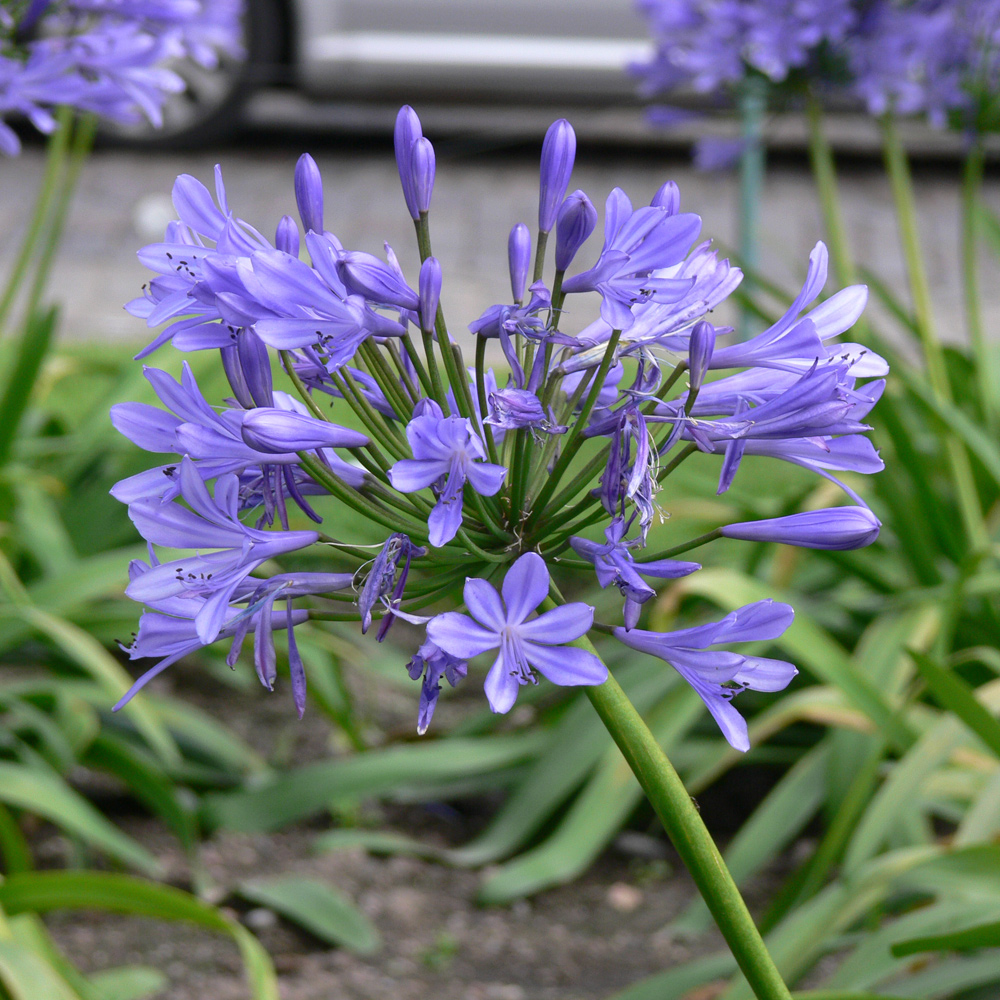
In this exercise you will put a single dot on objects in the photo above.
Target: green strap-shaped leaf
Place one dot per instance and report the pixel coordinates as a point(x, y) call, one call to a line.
point(980, 936)
point(128, 982)
point(318, 908)
point(33, 346)
point(44, 891)
point(900, 794)
point(27, 977)
point(46, 794)
point(596, 814)
point(89, 654)
point(976, 440)
point(302, 792)
point(378, 842)
point(952, 693)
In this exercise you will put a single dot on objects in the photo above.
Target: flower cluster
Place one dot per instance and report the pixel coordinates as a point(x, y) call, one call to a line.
point(108, 57)
point(707, 44)
point(931, 57)
point(485, 486)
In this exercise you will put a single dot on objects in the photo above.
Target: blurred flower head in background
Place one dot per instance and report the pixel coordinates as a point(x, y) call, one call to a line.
point(108, 57)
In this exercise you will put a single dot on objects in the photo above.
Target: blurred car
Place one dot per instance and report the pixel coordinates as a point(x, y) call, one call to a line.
point(518, 51)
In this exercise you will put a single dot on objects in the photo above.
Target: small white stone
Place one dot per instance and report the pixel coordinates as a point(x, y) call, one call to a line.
point(150, 215)
point(260, 918)
point(624, 897)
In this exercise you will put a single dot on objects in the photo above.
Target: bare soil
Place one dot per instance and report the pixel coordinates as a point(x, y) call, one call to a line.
point(585, 940)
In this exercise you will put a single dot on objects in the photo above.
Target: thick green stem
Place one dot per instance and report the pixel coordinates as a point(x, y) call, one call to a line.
point(937, 376)
point(82, 143)
point(985, 365)
point(689, 835)
point(540, 243)
point(753, 106)
point(901, 183)
point(55, 163)
point(824, 173)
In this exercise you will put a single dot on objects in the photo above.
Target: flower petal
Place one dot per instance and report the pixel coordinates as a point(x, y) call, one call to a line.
point(501, 686)
point(459, 635)
point(763, 674)
point(565, 665)
point(562, 624)
point(486, 478)
point(445, 520)
point(525, 587)
point(483, 602)
point(411, 474)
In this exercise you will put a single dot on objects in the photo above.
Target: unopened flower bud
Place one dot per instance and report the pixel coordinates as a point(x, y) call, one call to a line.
point(422, 165)
point(700, 352)
point(364, 274)
point(283, 431)
point(309, 193)
point(286, 236)
point(576, 221)
point(255, 363)
point(430, 292)
point(519, 259)
point(668, 197)
point(406, 133)
point(558, 154)
point(836, 528)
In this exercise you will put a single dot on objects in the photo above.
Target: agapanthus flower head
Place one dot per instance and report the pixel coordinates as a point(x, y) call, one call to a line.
point(110, 58)
point(706, 44)
point(475, 478)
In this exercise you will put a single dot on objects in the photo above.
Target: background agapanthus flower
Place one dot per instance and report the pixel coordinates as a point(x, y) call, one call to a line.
point(106, 57)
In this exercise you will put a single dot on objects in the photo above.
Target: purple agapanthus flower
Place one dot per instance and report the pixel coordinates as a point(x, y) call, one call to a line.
point(447, 453)
point(630, 473)
point(513, 408)
point(211, 523)
point(217, 444)
point(432, 663)
point(637, 244)
point(170, 631)
point(613, 564)
point(718, 675)
point(502, 624)
point(383, 584)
